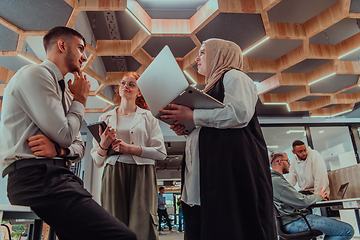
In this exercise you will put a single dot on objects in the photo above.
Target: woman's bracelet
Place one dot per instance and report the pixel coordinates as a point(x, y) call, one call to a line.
point(105, 149)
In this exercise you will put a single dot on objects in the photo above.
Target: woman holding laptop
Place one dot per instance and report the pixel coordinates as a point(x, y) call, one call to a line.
point(129, 184)
point(227, 190)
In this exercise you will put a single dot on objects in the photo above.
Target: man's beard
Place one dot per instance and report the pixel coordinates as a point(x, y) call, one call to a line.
point(285, 170)
point(303, 159)
point(69, 59)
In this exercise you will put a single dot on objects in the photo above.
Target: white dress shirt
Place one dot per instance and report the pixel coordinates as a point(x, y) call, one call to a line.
point(31, 106)
point(240, 101)
point(311, 174)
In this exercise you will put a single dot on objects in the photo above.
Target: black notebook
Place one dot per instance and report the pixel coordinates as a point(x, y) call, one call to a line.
point(94, 129)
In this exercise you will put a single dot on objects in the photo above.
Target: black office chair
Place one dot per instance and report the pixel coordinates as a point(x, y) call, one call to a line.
point(307, 235)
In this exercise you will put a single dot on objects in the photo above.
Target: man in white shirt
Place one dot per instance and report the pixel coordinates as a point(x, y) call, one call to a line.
point(40, 137)
point(308, 169)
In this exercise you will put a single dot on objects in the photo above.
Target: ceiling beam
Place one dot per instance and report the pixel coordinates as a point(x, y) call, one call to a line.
point(29, 57)
point(113, 47)
point(268, 4)
point(268, 84)
point(331, 111)
point(74, 14)
point(34, 33)
point(172, 27)
point(280, 30)
point(95, 75)
point(113, 78)
point(143, 57)
point(320, 72)
point(102, 5)
point(348, 67)
point(202, 17)
point(291, 58)
point(2, 87)
point(348, 45)
point(240, 6)
point(139, 13)
point(198, 78)
point(293, 79)
point(5, 74)
point(139, 40)
point(189, 58)
point(8, 53)
point(20, 43)
point(261, 65)
point(321, 51)
point(325, 19)
point(10, 26)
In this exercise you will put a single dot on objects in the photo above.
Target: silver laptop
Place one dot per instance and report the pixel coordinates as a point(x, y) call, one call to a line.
point(163, 83)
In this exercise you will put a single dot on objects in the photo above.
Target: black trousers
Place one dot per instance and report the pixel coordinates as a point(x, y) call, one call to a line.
point(58, 197)
point(192, 218)
point(163, 213)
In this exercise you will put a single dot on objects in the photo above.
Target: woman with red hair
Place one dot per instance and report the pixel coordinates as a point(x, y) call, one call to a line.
point(129, 185)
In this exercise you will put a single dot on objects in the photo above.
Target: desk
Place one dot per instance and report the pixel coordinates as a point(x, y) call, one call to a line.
point(342, 204)
point(11, 212)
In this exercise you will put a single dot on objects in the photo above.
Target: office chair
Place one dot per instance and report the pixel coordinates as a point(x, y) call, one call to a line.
point(307, 235)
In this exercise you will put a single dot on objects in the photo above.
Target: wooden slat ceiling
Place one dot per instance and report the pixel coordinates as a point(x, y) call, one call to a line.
point(272, 90)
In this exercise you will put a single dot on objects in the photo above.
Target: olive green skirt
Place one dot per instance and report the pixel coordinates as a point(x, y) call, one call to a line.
point(129, 193)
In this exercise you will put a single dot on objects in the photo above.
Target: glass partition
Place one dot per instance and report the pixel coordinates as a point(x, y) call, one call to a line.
point(335, 146)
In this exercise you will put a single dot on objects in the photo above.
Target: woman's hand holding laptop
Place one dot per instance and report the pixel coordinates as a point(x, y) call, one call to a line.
point(177, 113)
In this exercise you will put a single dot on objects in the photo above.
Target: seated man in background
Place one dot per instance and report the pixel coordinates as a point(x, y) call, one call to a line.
point(308, 169)
point(287, 200)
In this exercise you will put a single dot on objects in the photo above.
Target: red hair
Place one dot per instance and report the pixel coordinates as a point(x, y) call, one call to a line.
point(139, 101)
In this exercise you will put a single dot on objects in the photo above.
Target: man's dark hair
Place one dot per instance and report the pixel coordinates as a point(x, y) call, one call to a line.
point(297, 143)
point(56, 33)
point(161, 188)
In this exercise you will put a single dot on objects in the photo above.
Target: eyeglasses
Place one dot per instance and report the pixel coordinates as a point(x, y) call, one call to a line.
point(287, 160)
point(130, 84)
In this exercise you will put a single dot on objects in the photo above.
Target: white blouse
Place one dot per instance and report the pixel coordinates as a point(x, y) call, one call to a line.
point(240, 101)
point(144, 132)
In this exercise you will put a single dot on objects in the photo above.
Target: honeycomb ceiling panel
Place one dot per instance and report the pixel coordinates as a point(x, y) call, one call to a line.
point(127, 26)
point(184, 25)
point(284, 89)
point(171, 14)
point(295, 11)
point(30, 15)
point(273, 48)
point(355, 6)
point(307, 65)
point(243, 29)
point(8, 39)
point(179, 46)
point(354, 56)
point(330, 105)
point(337, 32)
point(259, 77)
point(334, 83)
point(112, 63)
point(165, 9)
point(308, 98)
point(277, 110)
point(27, 49)
point(353, 90)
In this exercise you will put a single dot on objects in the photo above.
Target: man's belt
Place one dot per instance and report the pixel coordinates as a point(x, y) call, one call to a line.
point(34, 161)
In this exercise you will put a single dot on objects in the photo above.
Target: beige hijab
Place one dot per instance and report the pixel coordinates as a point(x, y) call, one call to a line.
point(221, 56)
